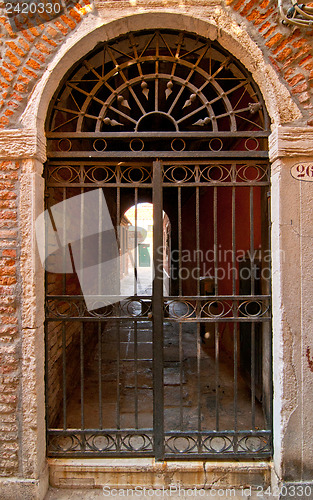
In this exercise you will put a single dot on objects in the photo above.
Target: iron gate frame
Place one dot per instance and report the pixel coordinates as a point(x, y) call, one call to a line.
point(79, 150)
point(157, 436)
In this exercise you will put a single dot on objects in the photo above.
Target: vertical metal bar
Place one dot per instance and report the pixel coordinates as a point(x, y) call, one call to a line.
point(118, 376)
point(100, 229)
point(81, 257)
point(252, 266)
point(252, 293)
point(65, 247)
point(217, 410)
point(118, 332)
point(199, 391)
point(198, 237)
point(235, 306)
point(82, 210)
point(64, 390)
point(82, 380)
point(235, 375)
point(136, 372)
point(199, 378)
point(215, 240)
point(136, 242)
point(216, 332)
point(100, 374)
point(157, 311)
point(181, 381)
point(234, 239)
point(253, 375)
point(179, 242)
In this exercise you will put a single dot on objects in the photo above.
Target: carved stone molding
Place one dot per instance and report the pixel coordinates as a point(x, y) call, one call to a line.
point(291, 142)
point(22, 144)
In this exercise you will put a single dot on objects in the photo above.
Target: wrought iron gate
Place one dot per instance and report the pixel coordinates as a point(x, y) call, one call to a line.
point(148, 373)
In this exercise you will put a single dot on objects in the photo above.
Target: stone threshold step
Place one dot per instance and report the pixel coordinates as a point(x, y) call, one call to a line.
point(149, 474)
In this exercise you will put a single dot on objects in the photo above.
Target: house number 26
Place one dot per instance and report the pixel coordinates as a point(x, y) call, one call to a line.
point(302, 171)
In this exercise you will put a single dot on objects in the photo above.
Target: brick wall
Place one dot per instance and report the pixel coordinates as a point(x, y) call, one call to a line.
point(26, 53)
point(9, 334)
point(289, 49)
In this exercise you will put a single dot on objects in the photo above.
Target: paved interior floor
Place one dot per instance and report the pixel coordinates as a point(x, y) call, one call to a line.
point(193, 392)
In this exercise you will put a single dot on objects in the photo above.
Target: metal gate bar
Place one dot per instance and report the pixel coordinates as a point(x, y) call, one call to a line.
point(157, 441)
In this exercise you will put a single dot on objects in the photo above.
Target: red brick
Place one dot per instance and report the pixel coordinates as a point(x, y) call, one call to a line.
point(8, 233)
point(248, 7)
point(43, 48)
point(261, 18)
point(24, 44)
point(269, 32)
point(7, 27)
point(7, 271)
point(62, 28)
point(33, 64)
point(15, 60)
point(27, 35)
point(294, 80)
point(19, 87)
point(76, 16)
point(16, 49)
point(289, 72)
point(4, 85)
point(69, 22)
point(8, 330)
point(8, 281)
point(265, 25)
point(254, 15)
point(8, 320)
point(9, 66)
point(274, 40)
point(300, 88)
point(3, 121)
point(9, 253)
point(284, 54)
point(6, 75)
point(51, 42)
point(52, 31)
point(29, 73)
point(7, 262)
point(284, 42)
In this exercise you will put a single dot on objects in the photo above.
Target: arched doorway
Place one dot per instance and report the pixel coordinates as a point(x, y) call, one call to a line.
point(168, 118)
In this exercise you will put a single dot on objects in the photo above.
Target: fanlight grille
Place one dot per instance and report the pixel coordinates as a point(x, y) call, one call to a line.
point(158, 81)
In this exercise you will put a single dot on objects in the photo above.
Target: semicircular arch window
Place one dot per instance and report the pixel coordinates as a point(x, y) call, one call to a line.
point(158, 81)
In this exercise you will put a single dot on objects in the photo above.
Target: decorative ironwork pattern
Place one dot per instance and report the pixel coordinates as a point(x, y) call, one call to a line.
point(219, 309)
point(97, 443)
point(161, 80)
point(65, 308)
point(215, 173)
point(226, 444)
point(97, 175)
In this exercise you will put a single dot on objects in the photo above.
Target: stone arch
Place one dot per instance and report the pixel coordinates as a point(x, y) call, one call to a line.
point(280, 105)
